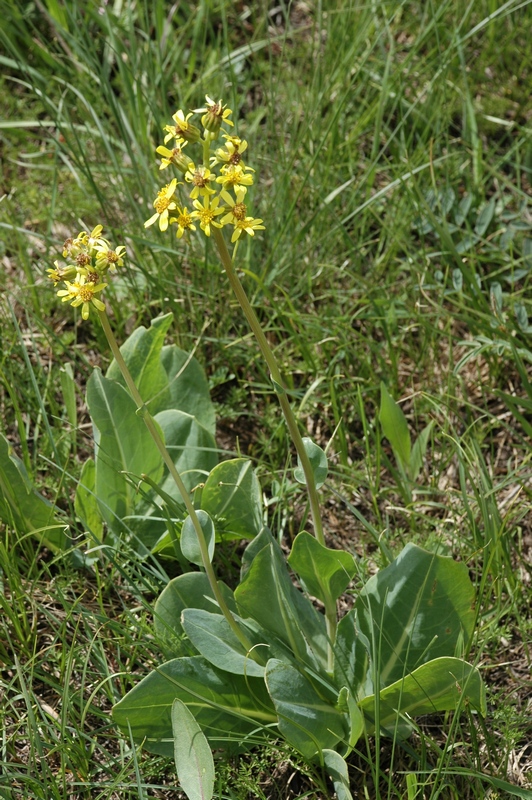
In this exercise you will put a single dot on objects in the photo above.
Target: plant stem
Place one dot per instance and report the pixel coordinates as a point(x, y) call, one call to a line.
point(277, 379)
point(142, 410)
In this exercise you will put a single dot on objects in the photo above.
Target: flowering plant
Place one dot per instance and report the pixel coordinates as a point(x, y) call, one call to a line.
point(264, 659)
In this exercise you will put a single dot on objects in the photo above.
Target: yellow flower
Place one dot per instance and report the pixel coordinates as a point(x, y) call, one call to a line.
point(249, 225)
point(163, 204)
point(214, 114)
point(89, 241)
point(199, 177)
point(81, 293)
point(238, 208)
point(206, 213)
point(61, 273)
point(174, 156)
point(184, 220)
point(231, 152)
point(109, 259)
point(235, 175)
point(183, 129)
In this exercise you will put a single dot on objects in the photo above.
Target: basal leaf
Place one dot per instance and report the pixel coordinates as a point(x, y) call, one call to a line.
point(267, 595)
point(124, 446)
point(191, 590)
point(191, 447)
point(350, 655)
point(442, 684)
point(192, 754)
point(189, 538)
point(188, 387)
point(324, 572)
point(142, 354)
point(227, 707)
point(418, 452)
point(86, 503)
point(21, 504)
point(215, 641)
point(233, 498)
point(418, 608)
point(308, 717)
point(338, 773)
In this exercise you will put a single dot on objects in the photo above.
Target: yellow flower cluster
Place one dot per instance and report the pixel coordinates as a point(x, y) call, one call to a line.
point(216, 186)
point(88, 258)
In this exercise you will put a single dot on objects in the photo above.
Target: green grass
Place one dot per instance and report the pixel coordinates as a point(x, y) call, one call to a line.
point(368, 123)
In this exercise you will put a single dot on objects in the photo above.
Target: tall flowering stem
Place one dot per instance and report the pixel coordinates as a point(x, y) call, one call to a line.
point(277, 379)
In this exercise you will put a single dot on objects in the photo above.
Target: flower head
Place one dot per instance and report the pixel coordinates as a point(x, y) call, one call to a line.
point(214, 114)
point(81, 293)
point(206, 213)
point(199, 177)
point(61, 273)
point(184, 221)
point(235, 175)
point(231, 152)
point(163, 204)
point(182, 129)
point(106, 258)
point(174, 156)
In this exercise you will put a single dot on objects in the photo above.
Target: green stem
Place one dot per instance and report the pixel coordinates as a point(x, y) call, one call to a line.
point(275, 372)
point(142, 410)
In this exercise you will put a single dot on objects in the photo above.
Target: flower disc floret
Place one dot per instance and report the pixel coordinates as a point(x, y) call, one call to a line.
point(106, 258)
point(184, 221)
point(163, 204)
point(235, 175)
point(199, 177)
point(231, 152)
point(81, 293)
point(206, 212)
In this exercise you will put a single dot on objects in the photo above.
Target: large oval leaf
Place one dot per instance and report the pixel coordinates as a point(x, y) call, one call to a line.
point(215, 641)
point(124, 445)
point(191, 447)
point(227, 707)
point(418, 608)
point(324, 572)
point(192, 754)
point(232, 496)
point(308, 718)
point(443, 684)
point(191, 590)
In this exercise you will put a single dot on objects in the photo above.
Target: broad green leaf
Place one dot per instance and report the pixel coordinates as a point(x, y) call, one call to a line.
point(394, 427)
point(86, 503)
point(21, 504)
point(192, 754)
point(350, 655)
point(215, 641)
point(418, 608)
point(418, 452)
point(336, 768)
point(123, 445)
point(188, 386)
point(262, 540)
point(318, 462)
point(268, 596)
point(325, 573)
point(232, 496)
point(308, 718)
point(227, 707)
point(189, 538)
point(443, 684)
point(191, 590)
point(142, 354)
point(191, 447)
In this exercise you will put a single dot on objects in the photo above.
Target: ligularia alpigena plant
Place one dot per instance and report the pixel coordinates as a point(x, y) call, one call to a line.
point(262, 660)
